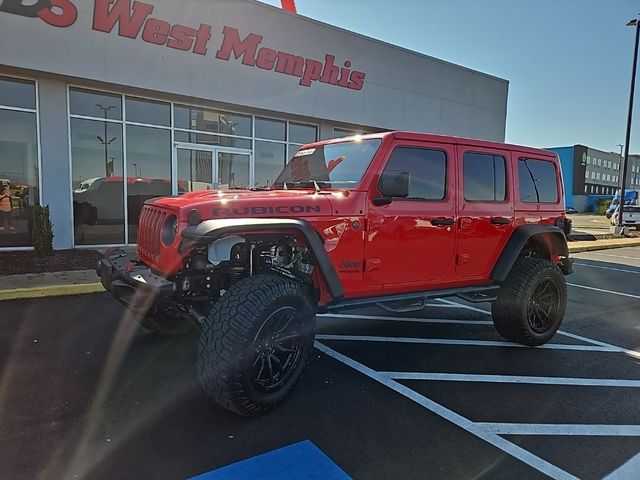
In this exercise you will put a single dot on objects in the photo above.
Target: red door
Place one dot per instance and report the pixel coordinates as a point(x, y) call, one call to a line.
point(485, 206)
point(412, 240)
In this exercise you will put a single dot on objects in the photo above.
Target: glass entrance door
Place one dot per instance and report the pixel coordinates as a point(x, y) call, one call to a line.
point(200, 167)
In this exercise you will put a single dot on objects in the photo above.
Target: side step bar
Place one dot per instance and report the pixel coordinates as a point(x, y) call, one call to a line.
point(471, 294)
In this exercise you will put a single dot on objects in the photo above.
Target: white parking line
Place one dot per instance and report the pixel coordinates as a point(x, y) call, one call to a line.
point(623, 270)
point(462, 422)
point(562, 429)
point(628, 471)
point(407, 319)
point(604, 291)
point(468, 307)
point(631, 353)
point(475, 343)
point(456, 377)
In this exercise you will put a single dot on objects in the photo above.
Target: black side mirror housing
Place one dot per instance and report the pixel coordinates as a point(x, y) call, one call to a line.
point(392, 184)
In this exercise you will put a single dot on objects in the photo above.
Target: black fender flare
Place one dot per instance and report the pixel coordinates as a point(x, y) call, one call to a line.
point(211, 230)
point(519, 239)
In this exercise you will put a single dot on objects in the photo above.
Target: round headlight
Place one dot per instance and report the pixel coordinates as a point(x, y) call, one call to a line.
point(169, 230)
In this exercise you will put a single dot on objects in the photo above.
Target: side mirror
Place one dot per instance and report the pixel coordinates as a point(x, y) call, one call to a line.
point(392, 184)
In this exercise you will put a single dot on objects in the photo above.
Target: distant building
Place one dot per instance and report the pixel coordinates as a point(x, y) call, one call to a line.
point(591, 174)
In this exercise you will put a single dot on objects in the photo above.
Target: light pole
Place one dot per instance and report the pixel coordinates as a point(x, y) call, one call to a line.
point(633, 23)
point(104, 140)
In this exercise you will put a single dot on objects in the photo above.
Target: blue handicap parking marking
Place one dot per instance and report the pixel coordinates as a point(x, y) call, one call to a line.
point(299, 461)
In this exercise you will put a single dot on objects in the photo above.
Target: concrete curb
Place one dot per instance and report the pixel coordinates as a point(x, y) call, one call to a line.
point(50, 291)
point(603, 245)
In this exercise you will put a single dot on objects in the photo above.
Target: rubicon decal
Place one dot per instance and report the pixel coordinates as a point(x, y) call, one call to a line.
point(136, 20)
point(285, 210)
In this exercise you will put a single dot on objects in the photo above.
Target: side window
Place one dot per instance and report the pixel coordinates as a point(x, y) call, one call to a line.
point(537, 181)
point(427, 171)
point(484, 177)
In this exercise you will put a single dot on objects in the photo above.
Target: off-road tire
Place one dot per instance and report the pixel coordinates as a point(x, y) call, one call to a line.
point(231, 337)
point(514, 312)
point(166, 325)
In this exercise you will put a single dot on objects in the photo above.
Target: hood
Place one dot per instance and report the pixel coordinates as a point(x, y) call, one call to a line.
point(246, 203)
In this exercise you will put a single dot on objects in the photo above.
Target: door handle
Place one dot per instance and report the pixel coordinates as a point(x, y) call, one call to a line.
point(442, 222)
point(500, 221)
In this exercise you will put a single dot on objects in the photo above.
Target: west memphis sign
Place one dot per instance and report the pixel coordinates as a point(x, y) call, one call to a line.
point(135, 21)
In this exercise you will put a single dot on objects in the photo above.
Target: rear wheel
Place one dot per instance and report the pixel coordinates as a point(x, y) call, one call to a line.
point(531, 302)
point(255, 343)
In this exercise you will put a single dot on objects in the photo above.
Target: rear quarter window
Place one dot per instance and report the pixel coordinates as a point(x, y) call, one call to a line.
point(538, 181)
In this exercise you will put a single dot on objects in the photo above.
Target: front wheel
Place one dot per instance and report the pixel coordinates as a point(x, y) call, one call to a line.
point(531, 302)
point(255, 343)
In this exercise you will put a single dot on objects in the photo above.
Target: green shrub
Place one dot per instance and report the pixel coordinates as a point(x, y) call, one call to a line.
point(42, 235)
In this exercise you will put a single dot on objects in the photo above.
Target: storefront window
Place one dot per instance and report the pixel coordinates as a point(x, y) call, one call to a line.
point(98, 195)
point(148, 170)
point(213, 140)
point(300, 133)
point(17, 93)
point(148, 111)
point(93, 104)
point(269, 160)
point(269, 129)
point(233, 170)
point(205, 120)
point(18, 177)
point(19, 189)
point(108, 129)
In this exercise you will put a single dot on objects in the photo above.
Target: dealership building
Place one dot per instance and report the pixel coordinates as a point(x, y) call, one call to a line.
point(105, 104)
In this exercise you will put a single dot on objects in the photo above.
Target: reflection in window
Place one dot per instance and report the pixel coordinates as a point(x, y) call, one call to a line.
point(342, 132)
point(233, 170)
point(148, 170)
point(195, 118)
point(427, 171)
point(215, 140)
point(484, 177)
point(19, 190)
point(97, 172)
point(300, 133)
point(17, 93)
point(94, 104)
point(195, 170)
point(271, 129)
point(269, 161)
point(537, 180)
point(148, 111)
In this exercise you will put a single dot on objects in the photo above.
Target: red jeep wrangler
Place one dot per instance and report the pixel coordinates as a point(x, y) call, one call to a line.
point(390, 219)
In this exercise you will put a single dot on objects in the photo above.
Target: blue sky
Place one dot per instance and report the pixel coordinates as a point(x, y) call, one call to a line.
point(568, 61)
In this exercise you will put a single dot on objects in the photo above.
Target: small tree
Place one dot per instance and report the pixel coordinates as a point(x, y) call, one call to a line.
point(42, 235)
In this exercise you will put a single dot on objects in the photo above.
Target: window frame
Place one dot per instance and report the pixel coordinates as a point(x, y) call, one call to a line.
point(445, 198)
point(556, 176)
point(507, 190)
point(38, 142)
point(172, 104)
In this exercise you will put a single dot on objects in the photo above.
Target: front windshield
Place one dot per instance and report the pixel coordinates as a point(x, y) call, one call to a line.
point(336, 165)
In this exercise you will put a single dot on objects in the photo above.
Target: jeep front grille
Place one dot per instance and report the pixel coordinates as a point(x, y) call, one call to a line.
point(149, 230)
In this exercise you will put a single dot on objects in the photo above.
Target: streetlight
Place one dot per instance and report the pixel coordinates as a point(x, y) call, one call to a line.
point(633, 23)
point(103, 139)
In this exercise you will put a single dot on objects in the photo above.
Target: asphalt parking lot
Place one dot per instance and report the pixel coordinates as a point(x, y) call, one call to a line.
point(84, 393)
